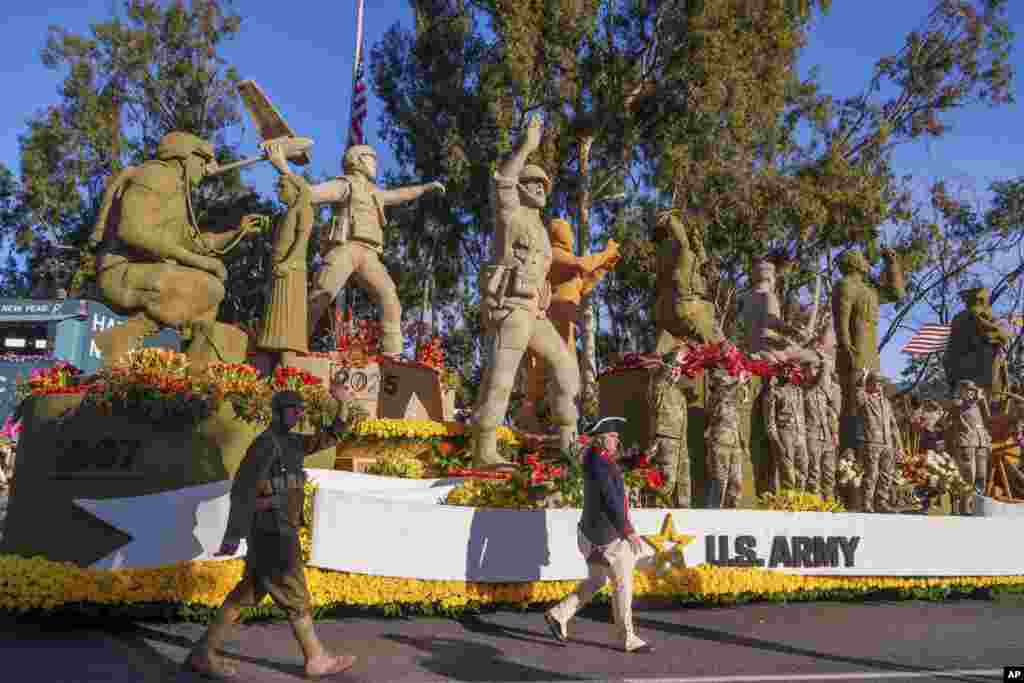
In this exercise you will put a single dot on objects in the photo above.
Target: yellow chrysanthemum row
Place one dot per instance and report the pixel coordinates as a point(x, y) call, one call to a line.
point(391, 428)
point(36, 583)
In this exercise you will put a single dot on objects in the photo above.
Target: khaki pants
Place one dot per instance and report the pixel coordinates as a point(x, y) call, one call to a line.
point(790, 461)
point(725, 475)
point(362, 261)
point(879, 463)
point(507, 339)
point(273, 566)
point(672, 455)
point(621, 562)
point(821, 468)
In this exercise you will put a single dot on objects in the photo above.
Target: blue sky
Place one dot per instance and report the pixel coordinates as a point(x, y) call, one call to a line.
point(301, 54)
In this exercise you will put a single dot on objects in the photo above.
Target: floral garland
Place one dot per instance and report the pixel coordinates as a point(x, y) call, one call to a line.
point(690, 360)
point(155, 382)
point(553, 483)
point(158, 384)
point(37, 585)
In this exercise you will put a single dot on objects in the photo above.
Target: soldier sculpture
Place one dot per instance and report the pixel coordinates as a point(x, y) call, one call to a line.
point(822, 401)
point(356, 239)
point(514, 294)
point(855, 316)
point(878, 442)
point(726, 447)
point(969, 440)
point(977, 345)
point(668, 405)
point(784, 422)
point(572, 277)
point(155, 264)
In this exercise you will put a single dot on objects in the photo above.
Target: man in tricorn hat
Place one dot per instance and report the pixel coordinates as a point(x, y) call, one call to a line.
point(267, 500)
point(606, 538)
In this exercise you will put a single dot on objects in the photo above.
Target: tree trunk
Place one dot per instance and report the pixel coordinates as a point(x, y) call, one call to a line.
point(588, 322)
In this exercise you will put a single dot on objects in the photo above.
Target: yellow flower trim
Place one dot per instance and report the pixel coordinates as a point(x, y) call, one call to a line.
point(36, 583)
point(798, 501)
point(392, 428)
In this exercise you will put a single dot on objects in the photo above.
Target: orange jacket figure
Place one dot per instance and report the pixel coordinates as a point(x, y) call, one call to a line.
point(572, 277)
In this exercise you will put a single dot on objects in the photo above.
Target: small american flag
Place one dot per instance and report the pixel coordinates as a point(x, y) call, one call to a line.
point(928, 339)
point(355, 136)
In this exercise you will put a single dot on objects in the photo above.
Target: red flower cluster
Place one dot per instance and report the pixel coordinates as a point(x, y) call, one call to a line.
point(691, 360)
point(56, 380)
point(541, 472)
point(294, 378)
point(431, 354)
point(364, 339)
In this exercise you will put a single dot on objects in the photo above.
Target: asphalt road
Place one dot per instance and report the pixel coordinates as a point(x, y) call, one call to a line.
point(912, 641)
point(892, 642)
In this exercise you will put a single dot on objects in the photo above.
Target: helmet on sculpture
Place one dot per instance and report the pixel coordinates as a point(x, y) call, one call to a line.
point(181, 145)
point(353, 156)
point(534, 172)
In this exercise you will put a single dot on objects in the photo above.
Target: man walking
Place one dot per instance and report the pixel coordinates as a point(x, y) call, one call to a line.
point(267, 499)
point(606, 539)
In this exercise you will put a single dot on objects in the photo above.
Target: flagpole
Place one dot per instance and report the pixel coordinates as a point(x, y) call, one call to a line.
point(342, 302)
point(356, 61)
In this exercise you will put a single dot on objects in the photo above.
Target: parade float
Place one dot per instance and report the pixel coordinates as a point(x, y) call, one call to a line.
point(121, 496)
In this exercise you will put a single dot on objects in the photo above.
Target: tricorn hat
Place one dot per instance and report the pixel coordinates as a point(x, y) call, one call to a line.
point(607, 425)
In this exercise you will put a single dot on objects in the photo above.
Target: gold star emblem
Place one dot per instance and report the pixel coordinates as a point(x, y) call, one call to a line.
point(668, 534)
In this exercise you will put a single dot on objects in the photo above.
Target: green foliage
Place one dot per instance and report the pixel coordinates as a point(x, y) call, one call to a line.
point(140, 74)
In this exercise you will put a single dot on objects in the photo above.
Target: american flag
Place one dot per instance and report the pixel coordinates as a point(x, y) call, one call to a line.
point(928, 339)
point(355, 136)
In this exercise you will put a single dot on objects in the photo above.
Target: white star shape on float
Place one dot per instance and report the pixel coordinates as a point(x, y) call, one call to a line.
point(168, 527)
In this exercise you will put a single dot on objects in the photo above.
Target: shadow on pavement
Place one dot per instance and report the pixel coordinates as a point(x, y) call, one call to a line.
point(464, 660)
point(726, 638)
point(539, 636)
point(137, 637)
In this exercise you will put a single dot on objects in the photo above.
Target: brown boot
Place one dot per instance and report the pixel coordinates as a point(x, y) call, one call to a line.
point(114, 342)
point(319, 662)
